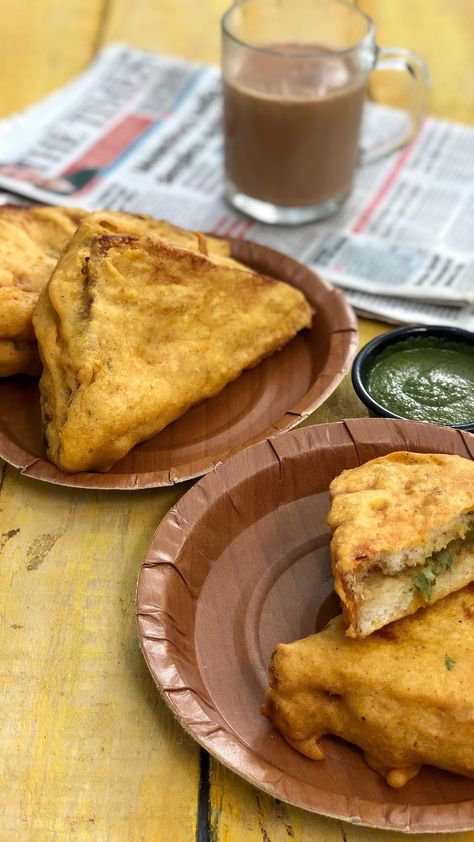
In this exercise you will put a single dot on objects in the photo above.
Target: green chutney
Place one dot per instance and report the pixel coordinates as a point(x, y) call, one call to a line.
point(425, 379)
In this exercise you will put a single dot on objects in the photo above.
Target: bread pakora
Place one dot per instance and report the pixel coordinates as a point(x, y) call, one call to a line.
point(403, 535)
point(32, 238)
point(19, 357)
point(56, 326)
point(404, 695)
point(133, 331)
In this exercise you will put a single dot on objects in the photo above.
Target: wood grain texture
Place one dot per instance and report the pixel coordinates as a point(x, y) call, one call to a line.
point(89, 751)
point(241, 813)
point(441, 33)
point(72, 680)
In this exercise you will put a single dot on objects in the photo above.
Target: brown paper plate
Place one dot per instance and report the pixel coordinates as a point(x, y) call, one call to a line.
point(240, 564)
point(275, 395)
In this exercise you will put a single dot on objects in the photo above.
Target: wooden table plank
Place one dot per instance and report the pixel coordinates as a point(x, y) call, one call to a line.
point(241, 813)
point(89, 750)
point(178, 27)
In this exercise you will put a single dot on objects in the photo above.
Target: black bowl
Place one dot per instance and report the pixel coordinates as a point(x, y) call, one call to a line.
point(367, 355)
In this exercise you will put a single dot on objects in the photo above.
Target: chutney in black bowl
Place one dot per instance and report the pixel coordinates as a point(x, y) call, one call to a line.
point(422, 373)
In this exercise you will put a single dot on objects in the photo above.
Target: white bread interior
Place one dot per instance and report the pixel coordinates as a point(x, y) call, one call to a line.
point(398, 584)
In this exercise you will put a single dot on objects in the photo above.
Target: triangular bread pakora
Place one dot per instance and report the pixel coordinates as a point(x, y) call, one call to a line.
point(32, 238)
point(404, 695)
point(403, 535)
point(19, 357)
point(59, 311)
point(134, 330)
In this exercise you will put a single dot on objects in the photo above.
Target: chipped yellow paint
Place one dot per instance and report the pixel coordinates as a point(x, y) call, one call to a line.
point(39, 550)
point(89, 751)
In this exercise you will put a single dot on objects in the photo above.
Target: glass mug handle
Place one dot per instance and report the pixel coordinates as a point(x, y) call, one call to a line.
point(392, 58)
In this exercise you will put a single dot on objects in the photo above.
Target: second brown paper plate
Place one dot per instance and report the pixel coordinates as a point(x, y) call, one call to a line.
point(240, 564)
point(275, 395)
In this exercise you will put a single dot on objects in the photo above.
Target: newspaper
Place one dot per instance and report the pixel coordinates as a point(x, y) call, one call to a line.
point(142, 132)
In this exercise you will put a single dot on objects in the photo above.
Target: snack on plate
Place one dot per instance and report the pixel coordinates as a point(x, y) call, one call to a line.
point(134, 330)
point(32, 238)
point(404, 695)
point(403, 535)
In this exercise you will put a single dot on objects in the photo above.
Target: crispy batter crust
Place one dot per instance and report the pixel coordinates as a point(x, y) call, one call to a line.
point(60, 310)
point(32, 239)
point(133, 331)
point(404, 695)
point(19, 357)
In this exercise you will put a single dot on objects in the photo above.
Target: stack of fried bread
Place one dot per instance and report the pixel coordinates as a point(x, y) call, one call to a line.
point(32, 240)
point(394, 673)
point(140, 321)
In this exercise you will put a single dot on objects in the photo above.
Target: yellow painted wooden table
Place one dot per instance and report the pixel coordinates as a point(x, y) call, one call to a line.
point(89, 751)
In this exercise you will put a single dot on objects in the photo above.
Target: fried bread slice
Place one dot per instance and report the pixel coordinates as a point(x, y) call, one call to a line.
point(16, 312)
point(19, 357)
point(404, 695)
point(403, 535)
point(67, 286)
point(66, 299)
point(50, 228)
point(32, 239)
point(133, 331)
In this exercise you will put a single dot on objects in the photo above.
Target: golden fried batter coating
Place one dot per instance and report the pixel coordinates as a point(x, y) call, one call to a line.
point(133, 331)
point(50, 228)
point(19, 357)
point(32, 238)
point(67, 293)
point(404, 695)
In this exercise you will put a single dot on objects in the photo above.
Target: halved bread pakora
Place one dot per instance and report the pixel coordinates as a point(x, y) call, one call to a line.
point(403, 535)
point(404, 695)
point(133, 331)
